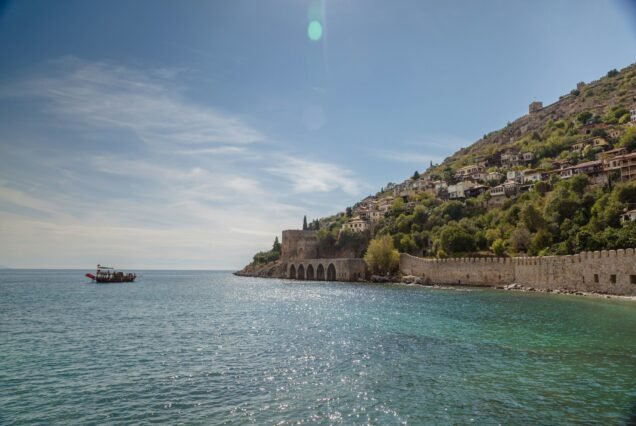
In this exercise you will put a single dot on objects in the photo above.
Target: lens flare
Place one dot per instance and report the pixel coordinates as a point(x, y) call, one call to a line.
point(314, 31)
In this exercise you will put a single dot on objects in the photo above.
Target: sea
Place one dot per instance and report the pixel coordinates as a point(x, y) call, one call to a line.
point(209, 348)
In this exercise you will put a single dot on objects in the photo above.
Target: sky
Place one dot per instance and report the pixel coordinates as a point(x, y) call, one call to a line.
point(188, 134)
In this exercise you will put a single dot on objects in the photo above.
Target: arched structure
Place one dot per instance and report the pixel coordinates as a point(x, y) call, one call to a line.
point(331, 272)
point(320, 273)
point(341, 269)
point(300, 273)
point(310, 272)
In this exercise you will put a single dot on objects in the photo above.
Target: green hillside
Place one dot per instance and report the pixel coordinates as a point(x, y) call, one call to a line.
point(558, 180)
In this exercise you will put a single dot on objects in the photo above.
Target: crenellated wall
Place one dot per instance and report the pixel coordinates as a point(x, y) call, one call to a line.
point(464, 270)
point(608, 271)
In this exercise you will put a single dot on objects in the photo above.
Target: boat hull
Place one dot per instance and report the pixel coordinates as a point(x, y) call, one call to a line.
point(112, 279)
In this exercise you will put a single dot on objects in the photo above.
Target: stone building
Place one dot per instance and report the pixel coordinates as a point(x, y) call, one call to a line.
point(356, 224)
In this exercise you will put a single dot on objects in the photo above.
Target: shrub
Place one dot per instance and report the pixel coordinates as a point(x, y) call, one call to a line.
point(381, 256)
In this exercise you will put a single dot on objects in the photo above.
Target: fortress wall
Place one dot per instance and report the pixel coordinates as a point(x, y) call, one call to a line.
point(468, 270)
point(607, 271)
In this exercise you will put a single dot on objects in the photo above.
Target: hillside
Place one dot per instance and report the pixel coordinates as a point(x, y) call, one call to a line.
point(559, 180)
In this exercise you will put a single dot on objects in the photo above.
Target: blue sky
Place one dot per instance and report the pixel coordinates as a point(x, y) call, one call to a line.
point(157, 134)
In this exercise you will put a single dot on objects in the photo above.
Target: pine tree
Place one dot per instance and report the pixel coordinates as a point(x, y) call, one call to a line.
point(305, 223)
point(276, 246)
point(416, 175)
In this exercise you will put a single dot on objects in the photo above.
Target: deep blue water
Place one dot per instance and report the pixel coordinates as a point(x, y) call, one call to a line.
point(210, 348)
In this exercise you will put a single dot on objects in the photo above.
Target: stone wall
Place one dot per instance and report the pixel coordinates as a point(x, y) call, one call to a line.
point(467, 270)
point(608, 271)
point(299, 245)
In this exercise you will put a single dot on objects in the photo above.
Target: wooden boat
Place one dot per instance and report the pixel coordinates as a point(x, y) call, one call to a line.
point(105, 274)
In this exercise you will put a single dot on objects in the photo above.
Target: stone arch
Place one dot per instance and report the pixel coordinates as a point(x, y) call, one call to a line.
point(331, 272)
point(300, 273)
point(320, 272)
point(292, 272)
point(310, 272)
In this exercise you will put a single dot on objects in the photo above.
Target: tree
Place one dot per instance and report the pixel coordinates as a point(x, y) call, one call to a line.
point(398, 206)
point(305, 223)
point(454, 239)
point(349, 211)
point(612, 73)
point(416, 175)
point(532, 218)
point(628, 139)
point(381, 255)
point(520, 239)
point(276, 246)
point(498, 247)
point(584, 117)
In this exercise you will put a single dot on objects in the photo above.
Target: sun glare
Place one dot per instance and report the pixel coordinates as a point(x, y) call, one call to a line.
point(314, 31)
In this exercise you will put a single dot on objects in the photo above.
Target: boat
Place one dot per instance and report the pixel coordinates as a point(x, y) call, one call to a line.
point(106, 274)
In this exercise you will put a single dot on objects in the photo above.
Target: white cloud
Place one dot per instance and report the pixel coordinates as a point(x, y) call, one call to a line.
point(146, 103)
point(314, 176)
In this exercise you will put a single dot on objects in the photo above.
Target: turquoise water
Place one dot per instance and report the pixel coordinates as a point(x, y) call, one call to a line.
point(211, 348)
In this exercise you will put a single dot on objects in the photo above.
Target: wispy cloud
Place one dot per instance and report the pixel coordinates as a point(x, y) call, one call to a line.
point(314, 176)
point(145, 103)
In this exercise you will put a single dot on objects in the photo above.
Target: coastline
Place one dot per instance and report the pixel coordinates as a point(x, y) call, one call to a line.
point(605, 274)
point(395, 280)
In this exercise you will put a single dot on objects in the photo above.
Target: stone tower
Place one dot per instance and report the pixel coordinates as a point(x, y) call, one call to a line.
point(535, 106)
point(299, 245)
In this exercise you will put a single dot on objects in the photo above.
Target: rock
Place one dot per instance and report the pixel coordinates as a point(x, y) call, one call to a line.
point(408, 279)
point(380, 279)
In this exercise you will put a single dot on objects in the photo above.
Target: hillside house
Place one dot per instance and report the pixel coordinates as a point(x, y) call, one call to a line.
point(498, 191)
point(593, 169)
point(494, 177)
point(440, 185)
point(606, 156)
point(629, 216)
point(475, 191)
point(458, 190)
point(469, 172)
point(512, 158)
point(625, 164)
point(375, 215)
point(511, 188)
point(356, 224)
point(587, 129)
point(532, 176)
point(632, 113)
point(614, 133)
point(515, 175)
point(578, 147)
point(600, 143)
